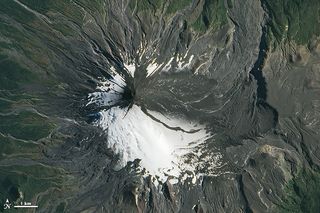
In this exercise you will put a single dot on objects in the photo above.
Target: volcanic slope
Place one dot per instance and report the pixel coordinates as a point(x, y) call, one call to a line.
point(160, 106)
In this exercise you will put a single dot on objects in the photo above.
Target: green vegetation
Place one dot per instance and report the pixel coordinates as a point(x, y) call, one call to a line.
point(9, 147)
point(69, 12)
point(28, 181)
point(25, 125)
point(93, 5)
point(296, 20)
point(22, 15)
point(212, 16)
point(67, 8)
point(303, 194)
point(4, 105)
point(26, 81)
point(12, 75)
point(61, 207)
point(143, 5)
point(18, 40)
point(174, 5)
point(15, 11)
point(13, 34)
point(42, 6)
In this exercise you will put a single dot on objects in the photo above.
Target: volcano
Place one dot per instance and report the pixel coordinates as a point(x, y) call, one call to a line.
point(160, 106)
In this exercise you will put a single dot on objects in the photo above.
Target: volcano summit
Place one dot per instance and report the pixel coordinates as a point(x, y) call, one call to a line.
point(160, 105)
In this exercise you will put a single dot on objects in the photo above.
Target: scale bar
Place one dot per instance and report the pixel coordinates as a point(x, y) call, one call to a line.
point(25, 206)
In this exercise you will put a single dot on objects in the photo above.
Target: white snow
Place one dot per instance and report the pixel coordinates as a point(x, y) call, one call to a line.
point(136, 136)
point(182, 64)
point(165, 153)
point(109, 91)
point(131, 68)
point(173, 181)
point(167, 67)
point(152, 68)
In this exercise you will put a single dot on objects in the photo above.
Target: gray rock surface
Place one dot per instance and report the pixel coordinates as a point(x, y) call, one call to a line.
point(260, 105)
